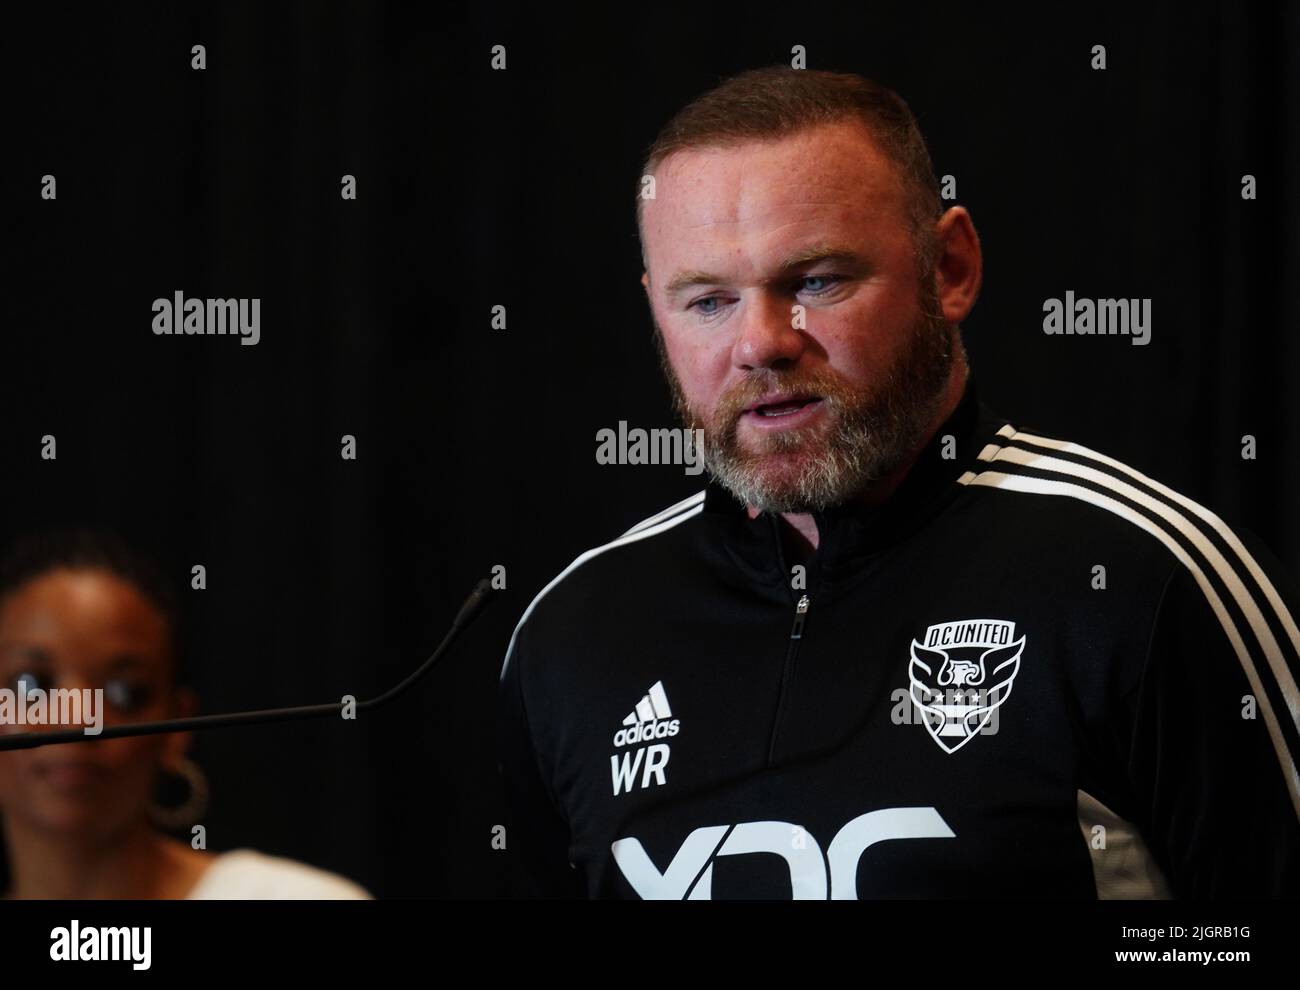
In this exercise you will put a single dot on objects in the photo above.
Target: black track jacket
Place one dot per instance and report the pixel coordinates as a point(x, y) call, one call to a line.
point(1032, 672)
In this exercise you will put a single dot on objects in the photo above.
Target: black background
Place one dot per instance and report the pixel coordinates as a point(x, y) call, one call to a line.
point(476, 446)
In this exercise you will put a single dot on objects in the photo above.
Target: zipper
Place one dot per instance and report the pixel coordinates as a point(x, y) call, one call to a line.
point(787, 672)
point(800, 613)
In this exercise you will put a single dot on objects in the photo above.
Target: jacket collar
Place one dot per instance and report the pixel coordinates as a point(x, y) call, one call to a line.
point(849, 534)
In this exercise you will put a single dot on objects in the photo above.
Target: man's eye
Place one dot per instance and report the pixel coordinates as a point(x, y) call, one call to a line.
point(125, 696)
point(707, 305)
point(831, 280)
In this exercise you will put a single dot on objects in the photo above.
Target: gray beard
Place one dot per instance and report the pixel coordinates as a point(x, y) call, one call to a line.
point(866, 436)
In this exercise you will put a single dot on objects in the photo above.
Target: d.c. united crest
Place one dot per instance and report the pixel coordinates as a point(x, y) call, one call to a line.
point(961, 674)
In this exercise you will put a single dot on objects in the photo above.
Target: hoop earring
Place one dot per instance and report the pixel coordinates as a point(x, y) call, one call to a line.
point(189, 811)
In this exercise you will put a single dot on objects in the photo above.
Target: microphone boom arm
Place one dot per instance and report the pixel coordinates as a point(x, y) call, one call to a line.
point(468, 612)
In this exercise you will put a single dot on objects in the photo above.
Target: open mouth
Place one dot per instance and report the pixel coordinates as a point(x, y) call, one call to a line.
point(784, 407)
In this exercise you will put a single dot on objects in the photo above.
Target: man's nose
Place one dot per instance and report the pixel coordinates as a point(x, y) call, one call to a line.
point(768, 337)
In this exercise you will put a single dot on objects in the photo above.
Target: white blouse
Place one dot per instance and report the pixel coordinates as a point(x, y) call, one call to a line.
point(246, 874)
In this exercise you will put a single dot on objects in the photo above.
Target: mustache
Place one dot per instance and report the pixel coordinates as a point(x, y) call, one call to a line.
point(774, 386)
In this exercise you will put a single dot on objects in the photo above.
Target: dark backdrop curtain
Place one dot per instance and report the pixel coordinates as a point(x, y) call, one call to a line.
point(476, 446)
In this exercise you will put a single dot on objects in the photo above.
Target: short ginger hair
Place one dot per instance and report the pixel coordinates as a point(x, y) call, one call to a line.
point(776, 101)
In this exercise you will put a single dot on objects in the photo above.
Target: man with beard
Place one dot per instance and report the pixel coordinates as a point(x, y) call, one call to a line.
point(871, 658)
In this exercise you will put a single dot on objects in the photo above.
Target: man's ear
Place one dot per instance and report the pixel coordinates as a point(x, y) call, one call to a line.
point(645, 279)
point(959, 268)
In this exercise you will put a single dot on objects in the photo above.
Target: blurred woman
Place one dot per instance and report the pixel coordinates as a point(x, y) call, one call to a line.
point(83, 610)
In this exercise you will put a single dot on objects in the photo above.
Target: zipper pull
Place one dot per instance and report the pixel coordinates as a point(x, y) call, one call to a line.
point(800, 611)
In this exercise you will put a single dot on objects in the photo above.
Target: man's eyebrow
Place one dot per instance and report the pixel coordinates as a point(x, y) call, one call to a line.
point(804, 256)
point(819, 252)
point(685, 279)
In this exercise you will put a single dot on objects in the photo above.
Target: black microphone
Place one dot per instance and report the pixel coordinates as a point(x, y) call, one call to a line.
point(479, 597)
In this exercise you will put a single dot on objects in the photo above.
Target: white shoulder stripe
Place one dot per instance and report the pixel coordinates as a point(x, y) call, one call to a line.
point(686, 503)
point(1271, 649)
point(629, 537)
point(1219, 526)
point(1190, 531)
